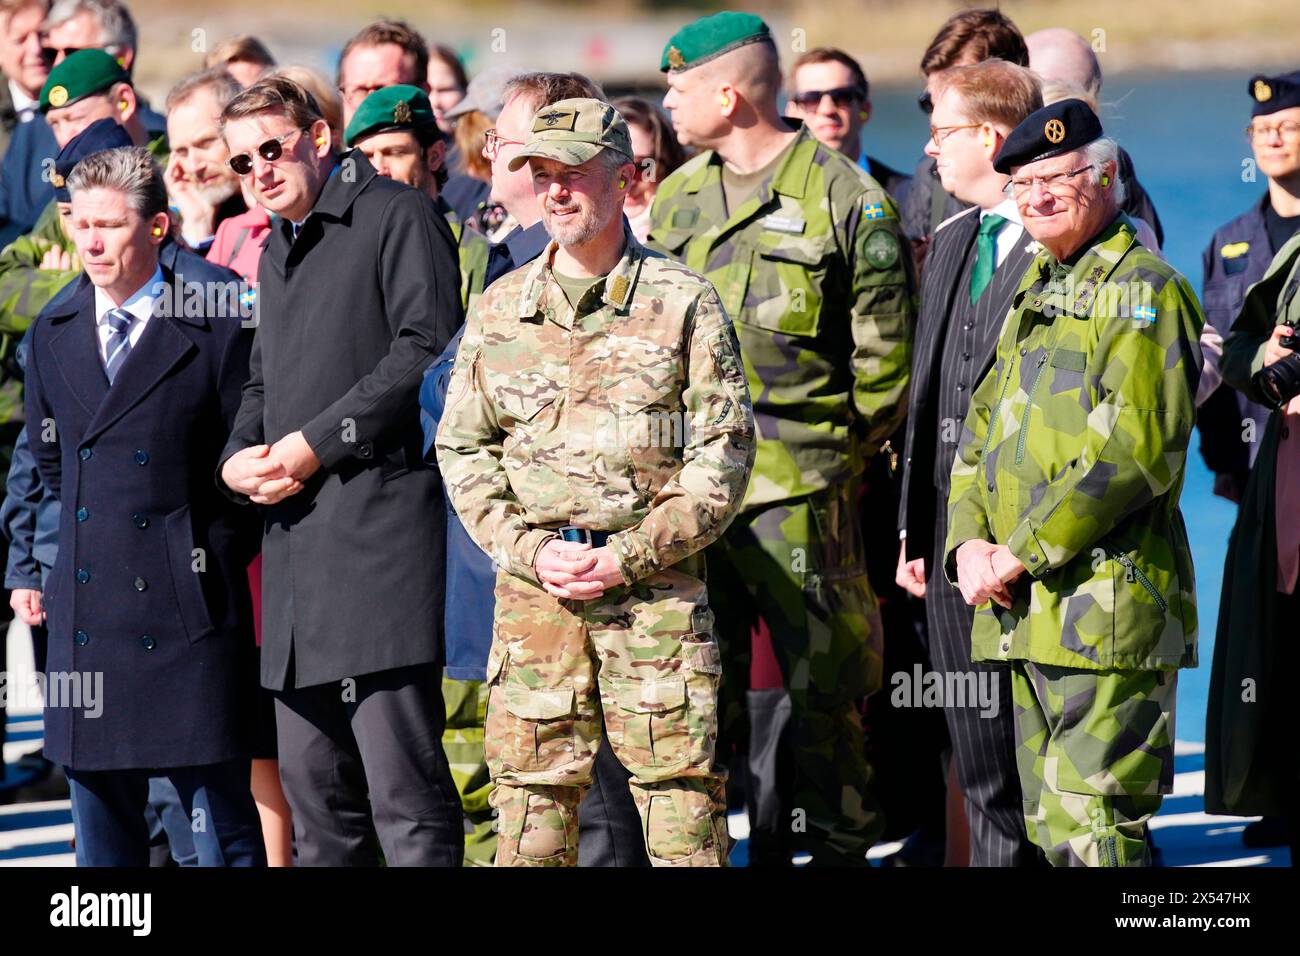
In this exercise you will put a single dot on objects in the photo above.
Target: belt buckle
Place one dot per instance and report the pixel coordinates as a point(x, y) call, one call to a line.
point(571, 532)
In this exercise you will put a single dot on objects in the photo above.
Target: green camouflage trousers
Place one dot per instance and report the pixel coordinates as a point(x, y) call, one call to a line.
point(799, 569)
point(638, 666)
point(466, 702)
point(1095, 750)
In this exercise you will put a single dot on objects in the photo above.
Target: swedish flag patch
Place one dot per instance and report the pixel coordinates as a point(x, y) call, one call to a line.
point(874, 211)
point(1147, 313)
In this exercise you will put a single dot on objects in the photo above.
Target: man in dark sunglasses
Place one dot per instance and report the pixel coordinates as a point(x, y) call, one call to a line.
point(829, 92)
point(358, 292)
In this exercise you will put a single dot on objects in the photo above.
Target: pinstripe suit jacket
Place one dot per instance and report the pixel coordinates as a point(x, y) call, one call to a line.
point(944, 304)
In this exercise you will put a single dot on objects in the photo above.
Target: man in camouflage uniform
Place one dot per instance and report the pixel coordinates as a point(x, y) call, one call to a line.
point(1064, 522)
point(805, 251)
point(597, 434)
point(396, 130)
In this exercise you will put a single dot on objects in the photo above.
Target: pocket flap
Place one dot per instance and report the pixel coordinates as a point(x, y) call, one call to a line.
point(542, 703)
point(655, 696)
point(1069, 360)
point(643, 388)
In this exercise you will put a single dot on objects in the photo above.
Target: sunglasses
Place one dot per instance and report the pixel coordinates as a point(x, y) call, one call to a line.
point(270, 151)
point(841, 96)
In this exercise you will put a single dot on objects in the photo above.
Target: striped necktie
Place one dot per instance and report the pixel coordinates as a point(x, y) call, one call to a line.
point(986, 255)
point(119, 342)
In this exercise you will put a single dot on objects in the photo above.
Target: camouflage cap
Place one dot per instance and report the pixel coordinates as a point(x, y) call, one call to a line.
point(400, 107)
point(574, 131)
point(710, 37)
point(82, 74)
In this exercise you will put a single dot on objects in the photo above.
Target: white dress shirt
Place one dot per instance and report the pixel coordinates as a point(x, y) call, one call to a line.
point(1011, 231)
point(24, 106)
point(139, 304)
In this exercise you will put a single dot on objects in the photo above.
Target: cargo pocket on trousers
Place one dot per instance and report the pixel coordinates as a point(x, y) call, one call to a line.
point(649, 729)
point(533, 728)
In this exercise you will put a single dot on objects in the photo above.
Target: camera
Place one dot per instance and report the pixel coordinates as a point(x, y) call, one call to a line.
point(1280, 382)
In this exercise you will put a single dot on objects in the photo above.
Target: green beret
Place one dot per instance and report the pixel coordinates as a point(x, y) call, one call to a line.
point(401, 107)
point(711, 37)
point(80, 75)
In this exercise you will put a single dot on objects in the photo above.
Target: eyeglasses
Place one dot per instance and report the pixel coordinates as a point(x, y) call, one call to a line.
point(270, 151)
point(355, 94)
point(493, 141)
point(948, 131)
point(841, 96)
point(1288, 131)
point(1052, 183)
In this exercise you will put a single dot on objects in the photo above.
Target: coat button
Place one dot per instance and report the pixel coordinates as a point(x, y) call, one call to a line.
point(365, 450)
point(148, 643)
point(965, 356)
point(1024, 351)
point(84, 454)
point(83, 513)
point(990, 486)
point(141, 584)
point(83, 575)
point(140, 521)
point(141, 457)
point(82, 638)
point(961, 386)
point(1033, 558)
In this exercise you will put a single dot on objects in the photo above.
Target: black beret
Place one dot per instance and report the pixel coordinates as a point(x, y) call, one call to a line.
point(1055, 129)
point(98, 136)
point(1273, 93)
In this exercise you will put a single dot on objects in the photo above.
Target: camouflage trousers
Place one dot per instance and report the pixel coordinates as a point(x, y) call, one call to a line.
point(462, 739)
point(1095, 751)
point(638, 667)
point(796, 571)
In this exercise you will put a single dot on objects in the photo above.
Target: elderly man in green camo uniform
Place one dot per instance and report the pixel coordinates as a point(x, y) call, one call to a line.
point(597, 434)
point(805, 251)
point(1065, 529)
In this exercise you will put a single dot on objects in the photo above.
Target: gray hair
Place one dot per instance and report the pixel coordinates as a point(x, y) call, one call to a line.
point(1097, 154)
point(128, 169)
point(223, 86)
point(117, 27)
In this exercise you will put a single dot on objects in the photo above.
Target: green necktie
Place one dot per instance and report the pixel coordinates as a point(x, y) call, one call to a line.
point(986, 255)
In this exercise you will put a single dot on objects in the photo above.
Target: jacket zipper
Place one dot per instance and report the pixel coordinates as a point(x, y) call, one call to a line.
point(1029, 407)
point(1135, 572)
point(997, 407)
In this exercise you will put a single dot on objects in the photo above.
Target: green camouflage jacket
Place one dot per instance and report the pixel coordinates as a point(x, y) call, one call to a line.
point(813, 271)
point(1073, 456)
point(631, 417)
point(472, 249)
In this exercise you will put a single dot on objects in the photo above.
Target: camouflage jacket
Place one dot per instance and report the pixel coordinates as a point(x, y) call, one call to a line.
point(814, 273)
point(632, 416)
point(472, 251)
point(1073, 455)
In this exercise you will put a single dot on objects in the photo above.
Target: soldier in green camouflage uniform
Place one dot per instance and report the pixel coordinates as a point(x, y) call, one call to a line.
point(611, 410)
point(810, 266)
point(395, 128)
point(1064, 521)
point(26, 285)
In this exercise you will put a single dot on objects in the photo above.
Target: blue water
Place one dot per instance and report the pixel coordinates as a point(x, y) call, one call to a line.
point(1184, 133)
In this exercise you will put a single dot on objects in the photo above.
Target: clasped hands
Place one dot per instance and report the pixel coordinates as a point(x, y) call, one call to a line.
point(270, 473)
point(575, 570)
point(985, 572)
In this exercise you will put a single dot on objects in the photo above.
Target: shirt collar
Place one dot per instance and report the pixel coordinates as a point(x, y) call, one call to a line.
point(139, 303)
point(1007, 209)
point(22, 102)
point(618, 287)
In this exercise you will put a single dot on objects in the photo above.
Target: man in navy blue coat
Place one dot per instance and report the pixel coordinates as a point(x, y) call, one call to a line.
point(133, 382)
